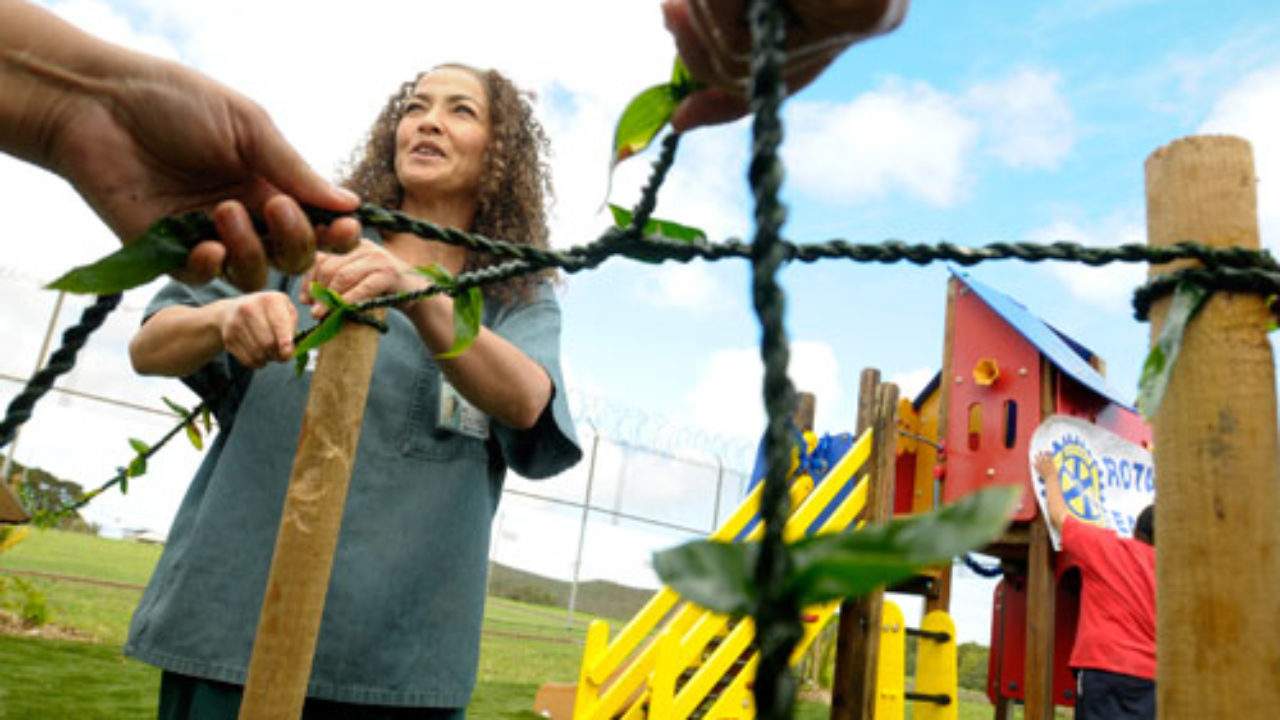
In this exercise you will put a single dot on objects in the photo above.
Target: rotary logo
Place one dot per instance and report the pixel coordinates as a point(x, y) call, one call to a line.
point(1081, 477)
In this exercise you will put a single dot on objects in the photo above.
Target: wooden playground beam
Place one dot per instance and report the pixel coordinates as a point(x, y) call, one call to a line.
point(858, 635)
point(289, 624)
point(1042, 591)
point(1218, 509)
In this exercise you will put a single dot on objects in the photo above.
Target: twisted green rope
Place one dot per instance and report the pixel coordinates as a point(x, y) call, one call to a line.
point(777, 613)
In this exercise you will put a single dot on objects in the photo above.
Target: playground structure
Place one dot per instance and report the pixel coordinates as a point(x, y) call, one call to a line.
point(1003, 371)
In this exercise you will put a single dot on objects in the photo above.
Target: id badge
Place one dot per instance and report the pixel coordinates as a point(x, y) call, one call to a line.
point(458, 415)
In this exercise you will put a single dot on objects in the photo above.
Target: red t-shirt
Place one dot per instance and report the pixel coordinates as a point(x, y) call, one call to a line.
point(1117, 626)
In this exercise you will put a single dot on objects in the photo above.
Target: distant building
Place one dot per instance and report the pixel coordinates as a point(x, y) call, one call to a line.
point(143, 535)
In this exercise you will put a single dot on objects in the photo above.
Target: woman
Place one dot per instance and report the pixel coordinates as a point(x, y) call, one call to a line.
point(400, 632)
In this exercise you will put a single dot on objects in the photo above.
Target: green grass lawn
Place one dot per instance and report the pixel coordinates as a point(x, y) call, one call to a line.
point(523, 645)
point(82, 555)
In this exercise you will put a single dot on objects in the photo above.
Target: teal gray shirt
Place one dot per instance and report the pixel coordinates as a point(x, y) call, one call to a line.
point(401, 623)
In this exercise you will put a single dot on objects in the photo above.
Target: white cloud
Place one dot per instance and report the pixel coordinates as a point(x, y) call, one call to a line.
point(684, 286)
point(1026, 122)
point(1251, 109)
point(1107, 287)
point(102, 20)
point(911, 138)
point(900, 137)
point(728, 394)
point(911, 382)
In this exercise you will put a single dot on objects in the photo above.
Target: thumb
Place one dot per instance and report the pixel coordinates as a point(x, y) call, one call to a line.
point(268, 154)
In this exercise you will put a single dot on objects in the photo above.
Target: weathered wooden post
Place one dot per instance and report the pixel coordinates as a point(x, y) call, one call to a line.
point(858, 635)
point(285, 643)
point(1217, 497)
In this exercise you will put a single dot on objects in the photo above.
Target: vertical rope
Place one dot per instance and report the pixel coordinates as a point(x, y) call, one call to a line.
point(777, 615)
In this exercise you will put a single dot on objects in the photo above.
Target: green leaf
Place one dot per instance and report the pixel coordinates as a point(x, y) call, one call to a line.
point(663, 228)
point(641, 121)
point(324, 332)
point(137, 468)
point(206, 418)
point(439, 276)
point(331, 299)
point(718, 576)
point(1188, 298)
point(715, 575)
point(468, 309)
point(682, 83)
point(162, 249)
point(193, 434)
point(176, 408)
point(851, 564)
point(139, 447)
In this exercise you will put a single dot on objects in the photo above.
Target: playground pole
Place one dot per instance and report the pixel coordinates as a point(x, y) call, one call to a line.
point(858, 635)
point(1218, 505)
point(285, 643)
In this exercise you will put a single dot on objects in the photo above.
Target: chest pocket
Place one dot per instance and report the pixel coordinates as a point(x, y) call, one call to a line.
point(420, 436)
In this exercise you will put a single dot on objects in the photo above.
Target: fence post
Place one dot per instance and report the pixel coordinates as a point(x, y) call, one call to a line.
point(1218, 509)
point(285, 643)
point(582, 528)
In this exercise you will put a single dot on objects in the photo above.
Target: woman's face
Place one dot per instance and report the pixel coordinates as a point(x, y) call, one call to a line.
point(442, 137)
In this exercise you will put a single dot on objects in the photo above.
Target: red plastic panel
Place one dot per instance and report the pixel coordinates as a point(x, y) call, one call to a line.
point(904, 483)
point(997, 452)
point(1074, 399)
point(1007, 662)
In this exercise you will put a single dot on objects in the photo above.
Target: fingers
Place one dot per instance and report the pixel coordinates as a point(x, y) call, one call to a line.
point(365, 272)
point(712, 106)
point(245, 265)
point(341, 236)
point(292, 245)
point(259, 329)
point(203, 264)
point(693, 50)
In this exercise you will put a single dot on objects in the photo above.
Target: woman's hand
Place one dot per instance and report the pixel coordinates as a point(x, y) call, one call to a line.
point(368, 271)
point(258, 329)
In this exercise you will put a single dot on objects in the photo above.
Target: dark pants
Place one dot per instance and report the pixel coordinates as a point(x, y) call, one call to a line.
point(1103, 695)
point(188, 698)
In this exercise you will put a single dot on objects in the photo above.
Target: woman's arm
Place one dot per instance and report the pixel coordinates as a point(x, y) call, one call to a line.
point(179, 340)
point(493, 374)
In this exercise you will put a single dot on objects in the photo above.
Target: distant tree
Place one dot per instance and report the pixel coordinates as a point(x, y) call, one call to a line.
point(971, 661)
point(41, 490)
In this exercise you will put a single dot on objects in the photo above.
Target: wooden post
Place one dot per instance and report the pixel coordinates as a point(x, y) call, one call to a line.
point(285, 643)
point(1042, 591)
point(858, 637)
point(1218, 501)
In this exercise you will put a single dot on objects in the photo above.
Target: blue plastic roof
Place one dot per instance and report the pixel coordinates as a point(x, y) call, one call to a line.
point(1062, 351)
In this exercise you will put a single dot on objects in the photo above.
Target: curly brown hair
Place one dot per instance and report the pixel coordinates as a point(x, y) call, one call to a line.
point(515, 184)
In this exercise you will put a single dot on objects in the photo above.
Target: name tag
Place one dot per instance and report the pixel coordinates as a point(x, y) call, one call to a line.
point(458, 415)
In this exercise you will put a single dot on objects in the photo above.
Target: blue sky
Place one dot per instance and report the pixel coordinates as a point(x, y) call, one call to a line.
point(973, 126)
point(974, 122)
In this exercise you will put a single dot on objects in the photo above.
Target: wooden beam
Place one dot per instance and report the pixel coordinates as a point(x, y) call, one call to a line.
point(1037, 679)
point(288, 627)
point(1042, 591)
point(852, 697)
point(1218, 509)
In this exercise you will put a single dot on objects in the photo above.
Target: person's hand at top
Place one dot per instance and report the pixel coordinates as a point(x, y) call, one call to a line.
point(141, 138)
point(714, 40)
